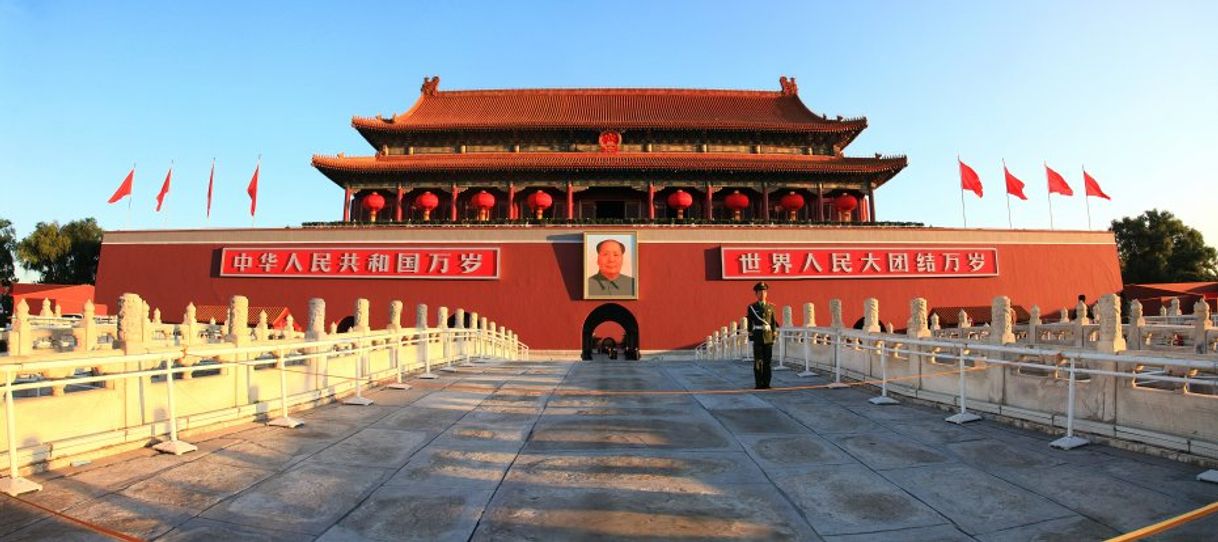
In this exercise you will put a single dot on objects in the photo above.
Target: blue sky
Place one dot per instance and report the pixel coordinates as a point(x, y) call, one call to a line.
point(1130, 89)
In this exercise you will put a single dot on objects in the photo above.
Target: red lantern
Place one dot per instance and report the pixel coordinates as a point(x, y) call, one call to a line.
point(428, 203)
point(540, 201)
point(736, 202)
point(374, 202)
point(484, 202)
point(680, 200)
point(845, 203)
point(792, 202)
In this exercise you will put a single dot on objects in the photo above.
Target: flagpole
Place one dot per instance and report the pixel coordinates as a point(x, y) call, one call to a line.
point(211, 179)
point(1010, 224)
point(131, 196)
point(254, 215)
point(165, 217)
point(963, 213)
point(1086, 198)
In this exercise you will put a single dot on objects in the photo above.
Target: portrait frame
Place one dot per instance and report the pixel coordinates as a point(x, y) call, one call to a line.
point(593, 278)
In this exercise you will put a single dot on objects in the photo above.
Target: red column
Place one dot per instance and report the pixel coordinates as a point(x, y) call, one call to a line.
point(651, 201)
point(765, 202)
point(820, 202)
point(570, 201)
point(710, 202)
point(452, 215)
point(397, 209)
point(871, 205)
point(512, 201)
point(346, 205)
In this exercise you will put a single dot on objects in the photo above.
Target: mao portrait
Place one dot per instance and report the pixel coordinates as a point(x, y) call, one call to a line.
point(610, 265)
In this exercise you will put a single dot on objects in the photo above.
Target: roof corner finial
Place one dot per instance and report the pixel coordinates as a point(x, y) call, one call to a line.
point(430, 85)
point(789, 88)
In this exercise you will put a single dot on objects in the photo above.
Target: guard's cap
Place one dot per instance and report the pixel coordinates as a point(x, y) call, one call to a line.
point(760, 286)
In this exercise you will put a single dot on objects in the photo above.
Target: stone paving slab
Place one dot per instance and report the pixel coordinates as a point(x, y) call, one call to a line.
point(937, 533)
point(308, 498)
point(413, 513)
point(752, 421)
point(851, 499)
point(888, 450)
point(827, 418)
point(743, 512)
point(562, 433)
point(783, 452)
point(118, 512)
point(667, 472)
point(196, 485)
point(438, 465)
point(374, 447)
point(976, 502)
point(207, 530)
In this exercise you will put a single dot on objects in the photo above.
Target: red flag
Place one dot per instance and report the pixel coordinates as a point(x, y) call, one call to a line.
point(1057, 185)
point(1093, 188)
point(969, 179)
point(160, 197)
point(1014, 185)
point(252, 190)
point(211, 179)
point(124, 189)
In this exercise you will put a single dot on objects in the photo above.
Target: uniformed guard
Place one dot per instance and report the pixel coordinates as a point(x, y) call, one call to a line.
point(763, 326)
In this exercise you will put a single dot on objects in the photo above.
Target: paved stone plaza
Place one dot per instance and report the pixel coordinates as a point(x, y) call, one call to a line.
point(515, 452)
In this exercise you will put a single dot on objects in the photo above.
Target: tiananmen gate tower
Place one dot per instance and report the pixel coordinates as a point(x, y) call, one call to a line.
point(559, 210)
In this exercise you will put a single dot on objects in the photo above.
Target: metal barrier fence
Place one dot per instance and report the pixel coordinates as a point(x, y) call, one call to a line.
point(360, 357)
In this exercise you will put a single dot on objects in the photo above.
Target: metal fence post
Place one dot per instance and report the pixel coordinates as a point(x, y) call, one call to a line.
point(807, 354)
point(964, 416)
point(1070, 441)
point(284, 420)
point(13, 485)
point(883, 398)
point(395, 356)
point(173, 445)
point(837, 362)
point(782, 351)
point(361, 369)
point(422, 342)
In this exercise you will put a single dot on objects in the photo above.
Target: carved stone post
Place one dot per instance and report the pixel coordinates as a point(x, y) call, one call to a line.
point(1065, 316)
point(1034, 325)
point(809, 315)
point(360, 325)
point(146, 323)
point(1002, 328)
point(289, 327)
point(395, 315)
point(46, 309)
point(1201, 325)
point(190, 326)
point(21, 338)
point(317, 320)
point(1081, 310)
point(262, 331)
point(871, 315)
point(1173, 308)
point(58, 310)
point(1136, 322)
point(1162, 311)
point(917, 327)
point(88, 339)
point(130, 332)
point(786, 315)
point(420, 316)
point(238, 320)
point(1111, 339)
point(835, 314)
point(934, 322)
point(963, 321)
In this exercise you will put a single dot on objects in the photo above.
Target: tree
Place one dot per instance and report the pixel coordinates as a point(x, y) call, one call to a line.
point(1157, 247)
point(8, 271)
point(63, 255)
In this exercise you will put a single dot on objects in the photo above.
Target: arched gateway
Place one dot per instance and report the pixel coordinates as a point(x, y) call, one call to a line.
point(611, 312)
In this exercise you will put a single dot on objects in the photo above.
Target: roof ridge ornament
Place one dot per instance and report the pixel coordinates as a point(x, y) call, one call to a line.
point(430, 85)
point(789, 88)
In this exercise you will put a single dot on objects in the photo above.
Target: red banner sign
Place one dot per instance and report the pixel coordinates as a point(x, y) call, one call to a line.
point(418, 262)
point(776, 263)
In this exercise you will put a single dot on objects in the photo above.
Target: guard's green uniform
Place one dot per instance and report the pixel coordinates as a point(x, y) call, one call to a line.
point(762, 329)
